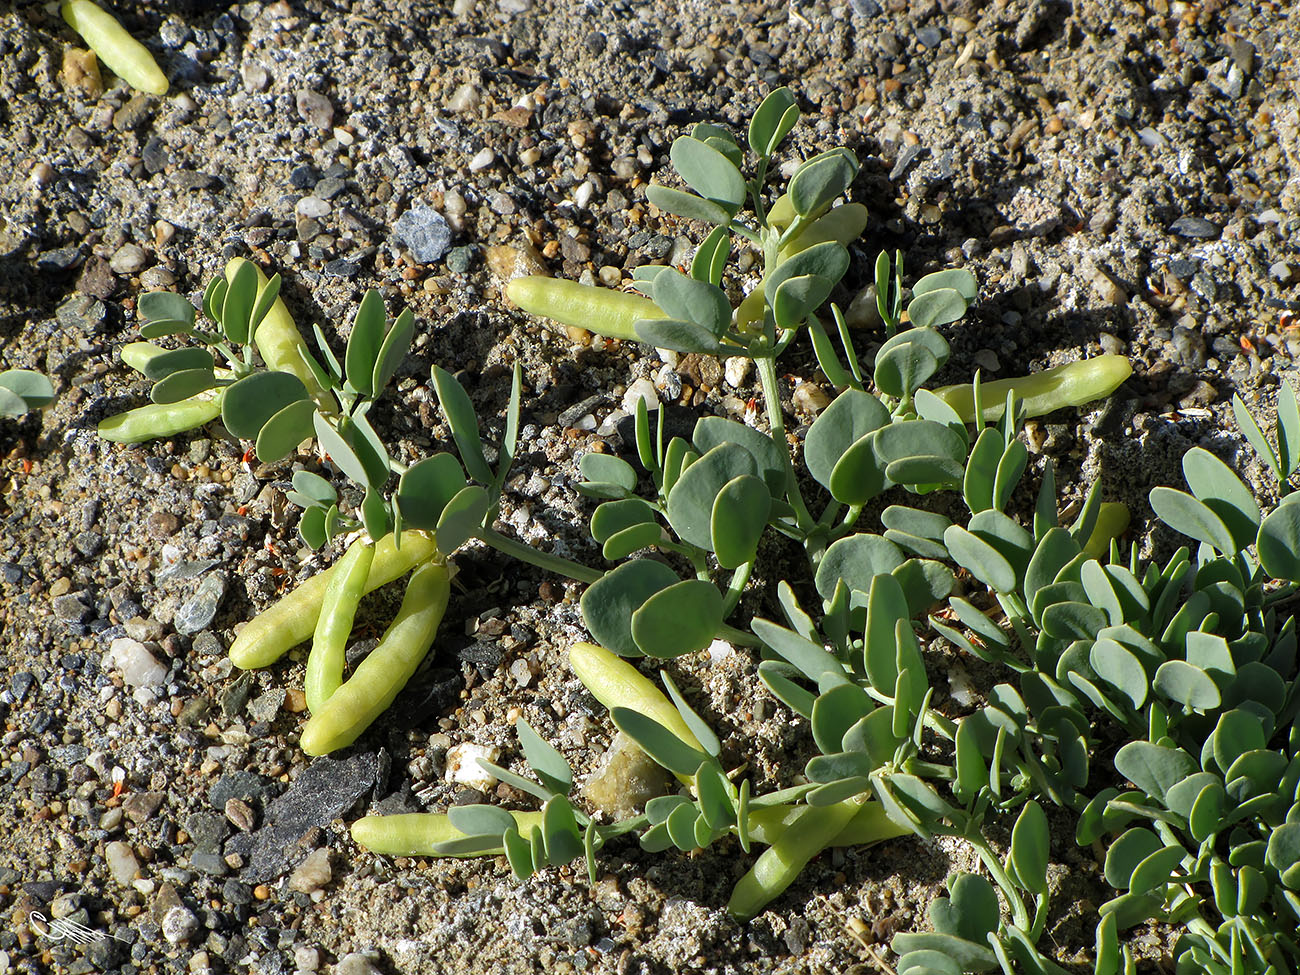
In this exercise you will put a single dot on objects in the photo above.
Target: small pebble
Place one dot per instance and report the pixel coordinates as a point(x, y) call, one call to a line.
point(136, 664)
point(312, 207)
point(1196, 227)
point(128, 259)
point(466, 98)
point(315, 109)
point(810, 398)
point(424, 232)
point(179, 925)
point(641, 389)
point(197, 612)
point(355, 964)
point(122, 863)
point(462, 765)
point(313, 873)
point(484, 158)
point(736, 370)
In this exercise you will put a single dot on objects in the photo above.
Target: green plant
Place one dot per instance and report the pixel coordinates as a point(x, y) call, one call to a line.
point(22, 390)
point(1178, 679)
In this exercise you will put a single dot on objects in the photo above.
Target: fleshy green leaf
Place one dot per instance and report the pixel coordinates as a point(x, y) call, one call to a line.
point(939, 307)
point(857, 559)
point(396, 345)
point(1154, 769)
point(772, 121)
point(1030, 840)
point(681, 618)
point(687, 299)
point(174, 388)
point(544, 759)
point(1215, 485)
point(312, 526)
point(799, 297)
point(608, 604)
point(253, 400)
point(608, 469)
point(1278, 543)
point(462, 518)
point(739, 516)
point(463, 422)
point(1184, 513)
point(163, 365)
point(285, 430)
point(852, 415)
point(708, 172)
point(364, 343)
point(658, 742)
point(817, 183)
point(678, 335)
point(691, 500)
point(958, 279)
point(237, 304)
point(156, 306)
point(426, 488)
point(710, 259)
point(687, 205)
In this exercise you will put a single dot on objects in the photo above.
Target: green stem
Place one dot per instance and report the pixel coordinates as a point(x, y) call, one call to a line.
point(736, 588)
point(935, 722)
point(739, 637)
point(1019, 913)
point(756, 191)
point(746, 232)
point(543, 560)
point(850, 519)
point(772, 400)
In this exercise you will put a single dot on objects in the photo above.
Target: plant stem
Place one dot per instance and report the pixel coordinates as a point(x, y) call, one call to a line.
point(1019, 913)
point(736, 588)
point(543, 560)
point(739, 637)
point(772, 400)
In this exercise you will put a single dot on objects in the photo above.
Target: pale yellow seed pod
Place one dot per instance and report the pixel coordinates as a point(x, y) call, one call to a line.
point(128, 58)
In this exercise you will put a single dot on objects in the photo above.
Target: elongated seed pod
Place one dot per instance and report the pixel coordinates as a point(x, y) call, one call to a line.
point(843, 224)
point(416, 834)
point(278, 340)
point(599, 310)
point(129, 59)
point(615, 683)
point(378, 679)
point(811, 831)
point(869, 824)
point(1071, 384)
point(338, 611)
point(162, 419)
point(280, 628)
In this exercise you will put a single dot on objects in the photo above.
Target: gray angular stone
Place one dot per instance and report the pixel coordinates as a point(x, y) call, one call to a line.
point(424, 232)
point(1197, 227)
point(198, 611)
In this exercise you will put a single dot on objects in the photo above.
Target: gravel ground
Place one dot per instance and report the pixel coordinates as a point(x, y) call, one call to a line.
point(1120, 176)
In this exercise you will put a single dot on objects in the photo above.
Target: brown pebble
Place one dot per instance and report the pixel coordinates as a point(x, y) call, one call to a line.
point(240, 814)
point(261, 892)
point(295, 701)
point(81, 72)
